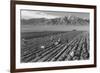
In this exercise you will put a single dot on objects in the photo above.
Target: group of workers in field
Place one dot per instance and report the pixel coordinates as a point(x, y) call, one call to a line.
point(55, 42)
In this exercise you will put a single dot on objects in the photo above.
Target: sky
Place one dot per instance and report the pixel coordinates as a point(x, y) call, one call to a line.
point(29, 14)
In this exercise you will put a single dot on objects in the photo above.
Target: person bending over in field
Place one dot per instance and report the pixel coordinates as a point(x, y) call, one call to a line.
point(57, 42)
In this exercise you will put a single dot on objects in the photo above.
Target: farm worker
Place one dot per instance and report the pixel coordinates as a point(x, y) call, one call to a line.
point(57, 42)
point(24, 41)
point(42, 47)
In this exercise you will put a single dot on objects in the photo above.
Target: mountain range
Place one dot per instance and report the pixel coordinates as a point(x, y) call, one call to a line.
point(66, 20)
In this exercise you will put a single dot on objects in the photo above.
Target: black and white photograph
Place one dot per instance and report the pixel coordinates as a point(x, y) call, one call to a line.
point(52, 36)
point(49, 36)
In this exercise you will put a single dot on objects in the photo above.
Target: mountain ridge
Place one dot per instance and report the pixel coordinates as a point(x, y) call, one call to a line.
point(66, 20)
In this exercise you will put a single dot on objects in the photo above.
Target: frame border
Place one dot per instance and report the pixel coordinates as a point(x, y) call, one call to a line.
point(13, 35)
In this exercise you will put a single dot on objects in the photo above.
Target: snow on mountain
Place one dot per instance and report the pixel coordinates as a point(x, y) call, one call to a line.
point(66, 20)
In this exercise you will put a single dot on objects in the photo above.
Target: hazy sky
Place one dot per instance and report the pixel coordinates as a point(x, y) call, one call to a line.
point(28, 14)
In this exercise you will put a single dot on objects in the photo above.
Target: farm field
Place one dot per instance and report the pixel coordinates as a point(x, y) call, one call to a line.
point(49, 46)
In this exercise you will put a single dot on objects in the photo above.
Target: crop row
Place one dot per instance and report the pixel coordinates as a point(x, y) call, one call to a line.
point(73, 45)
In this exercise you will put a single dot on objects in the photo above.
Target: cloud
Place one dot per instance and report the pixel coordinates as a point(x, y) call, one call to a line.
point(36, 14)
